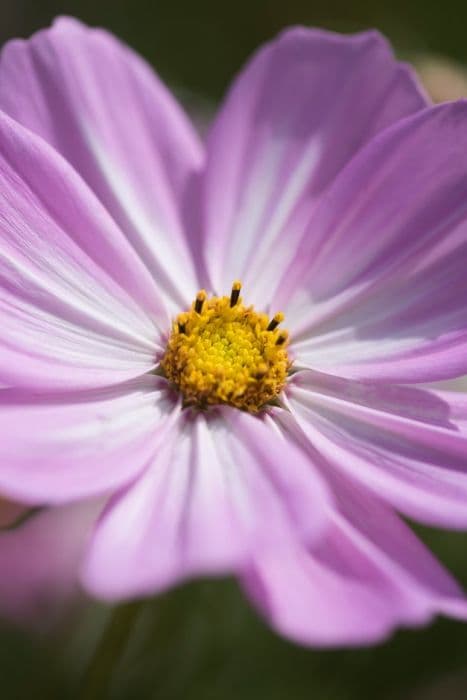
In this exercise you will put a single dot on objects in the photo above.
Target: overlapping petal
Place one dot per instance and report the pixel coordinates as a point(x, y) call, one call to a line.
point(76, 307)
point(106, 112)
point(55, 448)
point(407, 445)
point(367, 575)
point(364, 247)
point(221, 490)
point(379, 290)
point(298, 112)
point(40, 561)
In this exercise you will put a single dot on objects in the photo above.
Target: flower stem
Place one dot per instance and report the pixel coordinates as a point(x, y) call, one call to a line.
point(98, 677)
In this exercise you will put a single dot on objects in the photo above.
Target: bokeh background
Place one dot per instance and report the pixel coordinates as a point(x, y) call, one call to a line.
point(202, 641)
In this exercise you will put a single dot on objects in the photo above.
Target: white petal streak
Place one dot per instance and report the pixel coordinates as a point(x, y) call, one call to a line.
point(222, 488)
point(154, 239)
point(406, 445)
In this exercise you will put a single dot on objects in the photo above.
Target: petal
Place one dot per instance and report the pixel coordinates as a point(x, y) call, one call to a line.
point(40, 560)
point(366, 576)
point(222, 488)
point(72, 292)
point(106, 112)
point(296, 114)
point(408, 445)
point(381, 284)
point(55, 448)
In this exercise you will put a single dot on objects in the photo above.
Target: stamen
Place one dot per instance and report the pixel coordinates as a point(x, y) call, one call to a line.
point(235, 293)
point(274, 322)
point(222, 352)
point(181, 322)
point(282, 338)
point(200, 299)
point(262, 371)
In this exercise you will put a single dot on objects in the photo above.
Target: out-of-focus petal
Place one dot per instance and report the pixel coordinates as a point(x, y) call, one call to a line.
point(103, 108)
point(298, 112)
point(76, 308)
point(407, 445)
point(222, 488)
point(55, 448)
point(367, 575)
point(40, 560)
point(379, 290)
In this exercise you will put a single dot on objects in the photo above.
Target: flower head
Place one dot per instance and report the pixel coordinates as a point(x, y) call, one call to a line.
point(223, 352)
point(223, 442)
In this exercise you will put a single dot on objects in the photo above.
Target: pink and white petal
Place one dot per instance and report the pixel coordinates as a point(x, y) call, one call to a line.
point(368, 575)
point(293, 118)
point(407, 445)
point(55, 448)
point(379, 291)
point(310, 603)
point(222, 487)
point(76, 309)
point(40, 561)
point(107, 113)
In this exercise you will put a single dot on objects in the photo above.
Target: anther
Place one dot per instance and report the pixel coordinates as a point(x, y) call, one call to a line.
point(274, 322)
point(282, 338)
point(235, 293)
point(262, 371)
point(181, 323)
point(200, 299)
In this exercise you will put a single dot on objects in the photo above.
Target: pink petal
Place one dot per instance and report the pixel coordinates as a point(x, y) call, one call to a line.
point(296, 114)
point(408, 445)
point(381, 277)
point(40, 560)
point(60, 447)
point(72, 292)
point(222, 488)
point(367, 575)
point(103, 108)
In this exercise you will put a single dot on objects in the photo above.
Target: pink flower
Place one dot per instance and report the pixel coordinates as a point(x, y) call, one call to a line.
point(40, 555)
point(331, 189)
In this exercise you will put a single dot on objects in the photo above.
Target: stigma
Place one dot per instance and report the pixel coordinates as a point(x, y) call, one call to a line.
point(223, 352)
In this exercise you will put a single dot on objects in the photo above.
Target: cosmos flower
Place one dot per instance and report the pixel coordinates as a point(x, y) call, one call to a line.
point(224, 340)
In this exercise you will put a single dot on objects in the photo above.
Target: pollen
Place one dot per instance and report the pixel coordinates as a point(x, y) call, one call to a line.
point(222, 352)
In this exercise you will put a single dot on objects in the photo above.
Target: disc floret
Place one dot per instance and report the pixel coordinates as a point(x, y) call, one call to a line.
point(222, 352)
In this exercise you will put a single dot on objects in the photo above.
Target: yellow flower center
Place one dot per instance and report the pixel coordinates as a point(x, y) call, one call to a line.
point(221, 351)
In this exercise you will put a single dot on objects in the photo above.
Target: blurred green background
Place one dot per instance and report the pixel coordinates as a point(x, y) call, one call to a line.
point(202, 641)
point(199, 44)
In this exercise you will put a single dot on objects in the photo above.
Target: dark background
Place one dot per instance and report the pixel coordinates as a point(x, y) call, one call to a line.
point(203, 641)
point(200, 44)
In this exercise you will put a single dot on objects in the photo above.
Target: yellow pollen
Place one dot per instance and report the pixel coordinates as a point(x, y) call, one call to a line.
point(222, 352)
